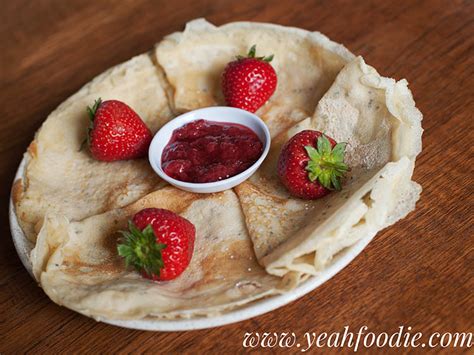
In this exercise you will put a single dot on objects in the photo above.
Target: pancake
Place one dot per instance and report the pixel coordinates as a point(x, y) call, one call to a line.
point(78, 267)
point(253, 241)
point(306, 64)
point(376, 116)
point(61, 177)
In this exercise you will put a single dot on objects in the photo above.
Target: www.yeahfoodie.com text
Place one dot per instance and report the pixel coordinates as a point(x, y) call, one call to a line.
point(361, 338)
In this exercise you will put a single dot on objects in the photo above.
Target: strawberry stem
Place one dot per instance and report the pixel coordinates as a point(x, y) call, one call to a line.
point(326, 164)
point(141, 249)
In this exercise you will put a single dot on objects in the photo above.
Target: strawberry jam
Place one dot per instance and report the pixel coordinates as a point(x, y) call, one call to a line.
point(207, 151)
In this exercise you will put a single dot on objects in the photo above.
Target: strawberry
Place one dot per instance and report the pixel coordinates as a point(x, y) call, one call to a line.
point(248, 82)
point(311, 164)
point(159, 243)
point(116, 132)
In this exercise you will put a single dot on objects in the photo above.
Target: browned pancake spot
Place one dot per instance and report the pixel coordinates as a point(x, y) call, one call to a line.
point(236, 259)
point(110, 266)
point(33, 149)
point(17, 191)
point(169, 198)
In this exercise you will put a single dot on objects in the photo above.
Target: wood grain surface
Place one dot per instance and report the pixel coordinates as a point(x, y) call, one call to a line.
point(417, 273)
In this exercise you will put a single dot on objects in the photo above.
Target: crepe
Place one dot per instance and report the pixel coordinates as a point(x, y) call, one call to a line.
point(61, 177)
point(78, 266)
point(376, 116)
point(306, 64)
point(253, 241)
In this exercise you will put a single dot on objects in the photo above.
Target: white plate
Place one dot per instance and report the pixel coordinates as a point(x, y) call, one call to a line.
point(23, 248)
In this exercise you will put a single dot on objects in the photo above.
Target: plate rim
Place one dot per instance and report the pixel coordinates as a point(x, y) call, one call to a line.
point(253, 309)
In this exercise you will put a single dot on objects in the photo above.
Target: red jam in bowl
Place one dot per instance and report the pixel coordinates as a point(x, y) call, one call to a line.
point(207, 151)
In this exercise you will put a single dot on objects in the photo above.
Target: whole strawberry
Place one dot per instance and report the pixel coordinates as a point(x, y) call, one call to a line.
point(116, 132)
point(248, 82)
point(311, 164)
point(159, 244)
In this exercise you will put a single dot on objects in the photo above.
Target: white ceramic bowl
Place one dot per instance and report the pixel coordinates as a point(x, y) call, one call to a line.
point(218, 114)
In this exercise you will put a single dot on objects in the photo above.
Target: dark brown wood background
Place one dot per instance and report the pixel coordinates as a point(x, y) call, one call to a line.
point(418, 273)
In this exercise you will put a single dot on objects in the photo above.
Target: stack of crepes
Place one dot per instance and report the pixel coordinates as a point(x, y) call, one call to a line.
point(252, 241)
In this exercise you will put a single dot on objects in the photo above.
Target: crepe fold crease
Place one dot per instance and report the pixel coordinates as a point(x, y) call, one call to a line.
point(252, 242)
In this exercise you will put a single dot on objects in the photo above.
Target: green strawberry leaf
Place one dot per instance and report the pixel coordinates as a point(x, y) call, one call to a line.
point(312, 153)
point(324, 146)
point(91, 112)
point(338, 151)
point(141, 250)
point(326, 164)
point(335, 182)
point(269, 58)
point(252, 51)
point(252, 54)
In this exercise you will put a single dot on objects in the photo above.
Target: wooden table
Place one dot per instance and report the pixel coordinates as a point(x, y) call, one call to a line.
point(418, 273)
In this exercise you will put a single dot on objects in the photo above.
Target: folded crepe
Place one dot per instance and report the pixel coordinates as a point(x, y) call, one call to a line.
point(253, 241)
point(306, 64)
point(377, 117)
point(78, 266)
point(62, 177)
